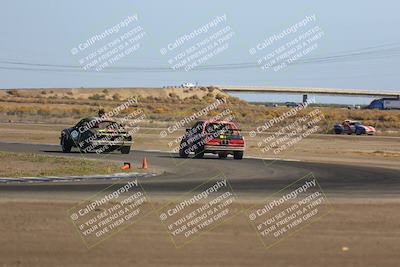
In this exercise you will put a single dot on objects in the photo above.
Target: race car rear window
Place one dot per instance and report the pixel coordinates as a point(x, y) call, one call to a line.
point(221, 128)
point(108, 125)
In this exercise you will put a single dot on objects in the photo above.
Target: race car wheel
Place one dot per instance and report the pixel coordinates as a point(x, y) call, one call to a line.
point(222, 155)
point(184, 149)
point(183, 153)
point(359, 132)
point(65, 145)
point(199, 153)
point(238, 155)
point(125, 149)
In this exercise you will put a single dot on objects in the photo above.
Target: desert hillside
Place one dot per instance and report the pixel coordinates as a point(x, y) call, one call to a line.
point(163, 106)
point(111, 93)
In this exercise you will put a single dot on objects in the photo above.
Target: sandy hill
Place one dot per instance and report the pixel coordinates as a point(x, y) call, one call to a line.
point(112, 93)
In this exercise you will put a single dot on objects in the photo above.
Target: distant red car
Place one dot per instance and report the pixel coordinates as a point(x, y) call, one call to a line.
point(216, 137)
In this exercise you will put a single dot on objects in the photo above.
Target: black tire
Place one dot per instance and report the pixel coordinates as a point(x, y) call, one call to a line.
point(65, 145)
point(222, 155)
point(183, 149)
point(199, 153)
point(125, 149)
point(238, 155)
point(359, 132)
point(183, 153)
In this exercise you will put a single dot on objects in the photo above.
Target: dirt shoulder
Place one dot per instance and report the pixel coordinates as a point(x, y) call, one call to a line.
point(41, 234)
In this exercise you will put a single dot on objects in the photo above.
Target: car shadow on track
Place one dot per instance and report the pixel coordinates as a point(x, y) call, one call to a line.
point(77, 152)
point(59, 151)
point(194, 158)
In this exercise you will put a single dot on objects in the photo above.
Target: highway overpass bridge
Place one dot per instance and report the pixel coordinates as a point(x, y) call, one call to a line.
point(306, 91)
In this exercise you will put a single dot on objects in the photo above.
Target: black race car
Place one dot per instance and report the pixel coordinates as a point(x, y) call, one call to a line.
point(97, 135)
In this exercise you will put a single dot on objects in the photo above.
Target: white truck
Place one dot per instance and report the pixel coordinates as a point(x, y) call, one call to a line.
point(391, 104)
point(188, 85)
point(385, 103)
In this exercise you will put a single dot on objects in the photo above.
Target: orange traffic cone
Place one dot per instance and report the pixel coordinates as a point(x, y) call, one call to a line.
point(144, 165)
point(126, 166)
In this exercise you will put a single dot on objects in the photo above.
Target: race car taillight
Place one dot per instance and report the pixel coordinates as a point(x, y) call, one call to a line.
point(213, 141)
point(237, 142)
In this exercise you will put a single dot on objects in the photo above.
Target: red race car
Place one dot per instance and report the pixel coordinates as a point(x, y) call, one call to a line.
point(216, 137)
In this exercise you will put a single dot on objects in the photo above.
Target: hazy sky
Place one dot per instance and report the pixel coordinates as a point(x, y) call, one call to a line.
point(45, 31)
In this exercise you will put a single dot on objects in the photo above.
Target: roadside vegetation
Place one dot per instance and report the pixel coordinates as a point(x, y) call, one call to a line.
point(28, 164)
point(161, 106)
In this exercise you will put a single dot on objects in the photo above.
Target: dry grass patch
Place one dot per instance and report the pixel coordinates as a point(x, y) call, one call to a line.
point(28, 164)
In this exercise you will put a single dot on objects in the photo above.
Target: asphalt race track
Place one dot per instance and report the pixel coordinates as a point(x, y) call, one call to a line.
point(247, 177)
